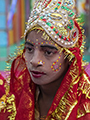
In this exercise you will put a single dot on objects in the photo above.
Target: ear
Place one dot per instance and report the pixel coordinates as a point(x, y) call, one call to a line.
point(67, 61)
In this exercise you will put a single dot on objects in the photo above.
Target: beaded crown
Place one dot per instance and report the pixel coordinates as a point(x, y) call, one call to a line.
point(57, 18)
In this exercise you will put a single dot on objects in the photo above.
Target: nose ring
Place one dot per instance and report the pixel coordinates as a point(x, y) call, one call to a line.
point(41, 62)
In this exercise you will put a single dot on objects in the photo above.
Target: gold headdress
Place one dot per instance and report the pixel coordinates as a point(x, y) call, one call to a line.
point(58, 19)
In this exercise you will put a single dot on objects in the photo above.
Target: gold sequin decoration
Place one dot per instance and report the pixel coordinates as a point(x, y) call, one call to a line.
point(62, 30)
point(84, 86)
point(1, 82)
point(83, 109)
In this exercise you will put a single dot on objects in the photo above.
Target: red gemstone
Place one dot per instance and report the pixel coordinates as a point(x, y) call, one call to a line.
point(45, 6)
point(60, 36)
point(69, 39)
point(52, 27)
point(65, 38)
point(75, 33)
point(44, 20)
point(59, 2)
point(56, 32)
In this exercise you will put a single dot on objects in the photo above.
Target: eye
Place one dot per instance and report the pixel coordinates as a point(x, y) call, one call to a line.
point(48, 53)
point(29, 49)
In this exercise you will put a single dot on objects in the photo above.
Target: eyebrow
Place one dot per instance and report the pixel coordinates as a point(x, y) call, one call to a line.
point(48, 46)
point(28, 43)
point(42, 46)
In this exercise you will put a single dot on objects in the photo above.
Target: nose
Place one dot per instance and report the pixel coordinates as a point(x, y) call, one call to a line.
point(36, 58)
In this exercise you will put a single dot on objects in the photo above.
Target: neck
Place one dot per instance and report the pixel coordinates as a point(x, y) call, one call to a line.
point(47, 94)
point(48, 91)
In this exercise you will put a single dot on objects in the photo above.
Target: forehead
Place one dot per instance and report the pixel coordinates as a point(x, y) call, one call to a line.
point(39, 36)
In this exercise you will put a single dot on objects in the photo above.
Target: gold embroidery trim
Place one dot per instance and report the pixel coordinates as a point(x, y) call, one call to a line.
point(74, 104)
point(11, 107)
point(83, 110)
point(8, 104)
point(65, 107)
point(84, 86)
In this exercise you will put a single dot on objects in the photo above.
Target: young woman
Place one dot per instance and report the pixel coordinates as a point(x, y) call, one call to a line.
point(47, 78)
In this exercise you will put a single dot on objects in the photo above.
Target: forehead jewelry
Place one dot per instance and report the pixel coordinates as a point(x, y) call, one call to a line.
point(41, 62)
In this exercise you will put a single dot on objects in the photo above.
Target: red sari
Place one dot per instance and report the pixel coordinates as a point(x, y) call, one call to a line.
point(71, 102)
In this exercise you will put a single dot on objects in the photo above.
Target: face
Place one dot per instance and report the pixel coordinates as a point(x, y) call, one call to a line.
point(44, 59)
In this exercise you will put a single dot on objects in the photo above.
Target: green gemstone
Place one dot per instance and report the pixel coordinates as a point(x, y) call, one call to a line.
point(67, 9)
point(57, 33)
point(58, 4)
point(61, 37)
point(62, 7)
point(71, 21)
point(68, 27)
point(41, 17)
point(54, 29)
point(49, 24)
point(72, 26)
point(71, 15)
point(56, 8)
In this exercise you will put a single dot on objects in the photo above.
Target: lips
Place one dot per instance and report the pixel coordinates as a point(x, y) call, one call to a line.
point(37, 74)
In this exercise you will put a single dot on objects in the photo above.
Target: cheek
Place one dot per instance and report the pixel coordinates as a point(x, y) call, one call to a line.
point(56, 66)
point(26, 59)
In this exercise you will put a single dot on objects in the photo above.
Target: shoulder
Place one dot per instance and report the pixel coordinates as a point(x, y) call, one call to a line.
point(7, 100)
point(84, 85)
point(84, 95)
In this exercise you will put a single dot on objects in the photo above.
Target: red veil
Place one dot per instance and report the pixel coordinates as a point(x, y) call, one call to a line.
point(72, 100)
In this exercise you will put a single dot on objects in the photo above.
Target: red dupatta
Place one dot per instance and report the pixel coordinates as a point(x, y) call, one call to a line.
point(67, 99)
point(2, 88)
